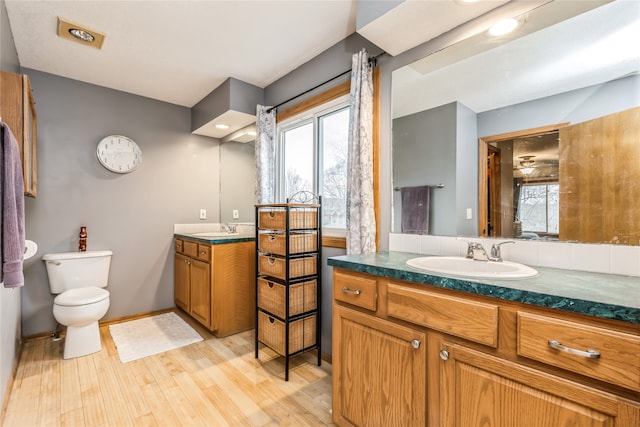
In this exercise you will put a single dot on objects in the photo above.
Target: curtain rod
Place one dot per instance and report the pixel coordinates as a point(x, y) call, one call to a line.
point(372, 61)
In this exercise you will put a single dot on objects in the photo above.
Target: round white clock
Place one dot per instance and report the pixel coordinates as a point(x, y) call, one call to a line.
point(119, 154)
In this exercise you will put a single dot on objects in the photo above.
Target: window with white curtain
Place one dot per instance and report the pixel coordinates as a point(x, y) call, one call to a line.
point(312, 156)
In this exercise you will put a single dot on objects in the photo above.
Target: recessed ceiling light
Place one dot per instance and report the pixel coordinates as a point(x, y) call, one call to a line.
point(504, 26)
point(83, 35)
point(222, 126)
point(79, 33)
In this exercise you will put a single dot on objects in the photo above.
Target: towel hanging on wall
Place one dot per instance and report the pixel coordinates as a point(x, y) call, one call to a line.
point(12, 211)
point(415, 209)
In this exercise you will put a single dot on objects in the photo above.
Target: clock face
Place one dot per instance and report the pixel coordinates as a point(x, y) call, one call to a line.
point(119, 154)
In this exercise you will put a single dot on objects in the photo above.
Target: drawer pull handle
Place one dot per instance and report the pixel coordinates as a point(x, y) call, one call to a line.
point(271, 261)
point(349, 291)
point(270, 284)
point(203, 252)
point(272, 238)
point(444, 355)
point(591, 354)
point(415, 344)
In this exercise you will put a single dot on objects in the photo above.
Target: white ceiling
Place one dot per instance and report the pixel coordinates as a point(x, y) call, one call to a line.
point(592, 48)
point(179, 51)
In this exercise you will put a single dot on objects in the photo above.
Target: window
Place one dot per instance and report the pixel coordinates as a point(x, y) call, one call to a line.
point(539, 208)
point(312, 156)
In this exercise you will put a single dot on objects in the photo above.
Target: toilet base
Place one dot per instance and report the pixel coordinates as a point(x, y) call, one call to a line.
point(82, 340)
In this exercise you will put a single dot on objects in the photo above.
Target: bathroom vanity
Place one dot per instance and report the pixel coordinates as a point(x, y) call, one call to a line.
point(214, 281)
point(416, 349)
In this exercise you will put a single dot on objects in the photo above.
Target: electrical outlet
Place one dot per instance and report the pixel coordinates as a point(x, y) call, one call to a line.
point(236, 215)
point(203, 214)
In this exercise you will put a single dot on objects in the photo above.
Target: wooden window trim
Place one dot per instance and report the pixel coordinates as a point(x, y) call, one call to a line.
point(327, 96)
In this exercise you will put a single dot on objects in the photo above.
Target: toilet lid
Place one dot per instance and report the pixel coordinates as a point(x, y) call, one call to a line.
point(81, 296)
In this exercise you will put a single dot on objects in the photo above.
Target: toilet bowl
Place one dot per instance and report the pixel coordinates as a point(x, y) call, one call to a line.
point(80, 310)
point(78, 279)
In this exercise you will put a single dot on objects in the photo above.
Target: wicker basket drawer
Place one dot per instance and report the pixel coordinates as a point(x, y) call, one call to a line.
point(277, 219)
point(271, 297)
point(276, 267)
point(271, 332)
point(275, 243)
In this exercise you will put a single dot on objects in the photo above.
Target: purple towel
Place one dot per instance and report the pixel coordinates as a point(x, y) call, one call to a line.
point(415, 209)
point(12, 197)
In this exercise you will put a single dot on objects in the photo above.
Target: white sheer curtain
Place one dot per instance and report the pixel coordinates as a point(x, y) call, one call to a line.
point(361, 222)
point(265, 155)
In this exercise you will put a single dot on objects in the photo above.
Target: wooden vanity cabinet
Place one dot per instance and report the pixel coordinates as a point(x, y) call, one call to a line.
point(17, 109)
point(481, 361)
point(215, 284)
point(379, 371)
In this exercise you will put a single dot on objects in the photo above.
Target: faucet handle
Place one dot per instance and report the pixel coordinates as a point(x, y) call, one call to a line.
point(495, 249)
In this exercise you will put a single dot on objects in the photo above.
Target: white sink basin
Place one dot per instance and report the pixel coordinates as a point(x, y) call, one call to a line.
point(214, 234)
point(465, 267)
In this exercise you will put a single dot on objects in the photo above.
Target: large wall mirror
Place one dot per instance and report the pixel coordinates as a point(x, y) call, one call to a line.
point(537, 137)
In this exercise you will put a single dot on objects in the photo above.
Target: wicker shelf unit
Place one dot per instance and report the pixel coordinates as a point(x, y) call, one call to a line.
point(288, 279)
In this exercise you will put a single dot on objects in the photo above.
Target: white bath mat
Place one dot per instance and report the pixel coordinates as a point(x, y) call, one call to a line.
point(144, 337)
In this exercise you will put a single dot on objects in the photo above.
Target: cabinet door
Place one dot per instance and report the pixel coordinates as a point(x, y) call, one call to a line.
point(181, 282)
point(477, 389)
point(379, 371)
point(201, 292)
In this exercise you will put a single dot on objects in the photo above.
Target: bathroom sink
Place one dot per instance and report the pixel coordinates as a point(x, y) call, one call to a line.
point(465, 267)
point(215, 234)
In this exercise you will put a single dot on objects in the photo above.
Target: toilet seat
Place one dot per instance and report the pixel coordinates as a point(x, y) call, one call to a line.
point(81, 296)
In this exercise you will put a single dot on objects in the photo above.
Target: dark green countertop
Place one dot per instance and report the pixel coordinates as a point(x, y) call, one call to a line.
point(601, 295)
point(233, 238)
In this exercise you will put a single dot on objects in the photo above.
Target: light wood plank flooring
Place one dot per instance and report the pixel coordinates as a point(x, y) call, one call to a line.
point(216, 382)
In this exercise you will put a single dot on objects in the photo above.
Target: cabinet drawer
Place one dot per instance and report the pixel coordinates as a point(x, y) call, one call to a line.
point(619, 361)
point(272, 297)
point(472, 320)
point(204, 252)
point(178, 245)
point(276, 219)
point(271, 332)
point(356, 290)
point(190, 248)
point(277, 267)
point(276, 243)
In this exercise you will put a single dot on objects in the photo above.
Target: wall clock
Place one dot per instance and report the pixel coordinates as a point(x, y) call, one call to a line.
point(119, 154)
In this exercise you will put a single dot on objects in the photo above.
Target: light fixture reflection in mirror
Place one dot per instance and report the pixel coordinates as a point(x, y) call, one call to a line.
point(527, 84)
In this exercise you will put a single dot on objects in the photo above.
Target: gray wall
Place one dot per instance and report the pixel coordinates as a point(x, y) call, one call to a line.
point(438, 146)
point(131, 214)
point(10, 331)
point(237, 181)
point(575, 106)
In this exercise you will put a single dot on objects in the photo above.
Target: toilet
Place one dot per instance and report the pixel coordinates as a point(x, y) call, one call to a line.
point(78, 280)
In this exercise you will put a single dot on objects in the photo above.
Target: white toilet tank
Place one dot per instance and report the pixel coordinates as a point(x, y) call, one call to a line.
point(71, 270)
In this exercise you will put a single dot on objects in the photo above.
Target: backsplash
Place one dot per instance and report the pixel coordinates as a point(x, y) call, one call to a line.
point(241, 227)
point(610, 259)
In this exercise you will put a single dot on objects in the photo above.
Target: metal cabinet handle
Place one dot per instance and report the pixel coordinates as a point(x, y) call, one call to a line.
point(591, 354)
point(415, 344)
point(271, 261)
point(444, 355)
point(203, 252)
point(349, 291)
point(54, 262)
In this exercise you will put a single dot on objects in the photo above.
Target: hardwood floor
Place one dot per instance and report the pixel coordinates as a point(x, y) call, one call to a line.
point(216, 382)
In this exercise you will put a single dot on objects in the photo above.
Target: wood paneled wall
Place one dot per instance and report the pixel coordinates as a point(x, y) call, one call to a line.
point(600, 179)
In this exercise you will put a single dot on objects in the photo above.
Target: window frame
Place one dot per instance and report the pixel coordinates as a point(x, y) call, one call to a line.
point(545, 184)
point(329, 95)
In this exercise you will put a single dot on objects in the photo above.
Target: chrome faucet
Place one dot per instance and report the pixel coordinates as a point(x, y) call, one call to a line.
point(496, 254)
point(477, 252)
point(229, 228)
